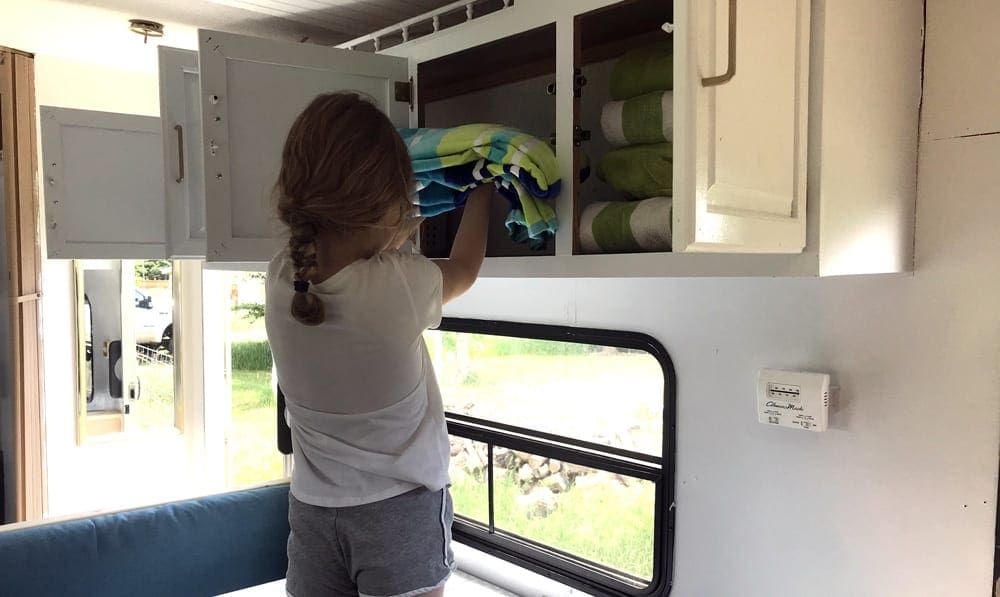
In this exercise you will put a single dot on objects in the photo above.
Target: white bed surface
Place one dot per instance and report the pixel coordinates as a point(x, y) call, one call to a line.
point(460, 584)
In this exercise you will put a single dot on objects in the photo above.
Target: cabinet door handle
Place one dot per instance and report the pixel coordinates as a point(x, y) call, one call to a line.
point(180, 152)
point(731, 69)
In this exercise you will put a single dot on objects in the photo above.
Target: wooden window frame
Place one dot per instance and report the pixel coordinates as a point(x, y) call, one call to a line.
point(23, 260)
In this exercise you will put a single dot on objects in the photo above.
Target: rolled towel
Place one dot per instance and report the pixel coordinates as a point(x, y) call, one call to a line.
point(642, 171)
point(626, 226)
point(647, 118)
point(645, 69)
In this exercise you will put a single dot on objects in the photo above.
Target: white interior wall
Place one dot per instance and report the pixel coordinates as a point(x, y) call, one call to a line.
point(898, 498)
point(86, 58)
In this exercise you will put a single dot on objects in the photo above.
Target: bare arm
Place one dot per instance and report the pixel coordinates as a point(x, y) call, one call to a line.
point(461, 268)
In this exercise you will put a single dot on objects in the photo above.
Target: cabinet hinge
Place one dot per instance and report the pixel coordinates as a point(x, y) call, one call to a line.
point(404, 92)
point(579, 82)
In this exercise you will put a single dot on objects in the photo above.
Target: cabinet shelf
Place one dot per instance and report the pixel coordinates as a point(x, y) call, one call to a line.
point(524, 56)
point(650, 265)
point(611, 31)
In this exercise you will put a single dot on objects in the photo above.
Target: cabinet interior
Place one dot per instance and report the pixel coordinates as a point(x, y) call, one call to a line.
point(503, 82)
point(602, 37)
point(506, 82)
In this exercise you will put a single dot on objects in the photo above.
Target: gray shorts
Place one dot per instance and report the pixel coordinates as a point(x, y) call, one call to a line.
point(397, 547)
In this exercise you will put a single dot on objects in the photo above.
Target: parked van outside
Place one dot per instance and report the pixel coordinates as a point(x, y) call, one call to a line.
point(153, 322)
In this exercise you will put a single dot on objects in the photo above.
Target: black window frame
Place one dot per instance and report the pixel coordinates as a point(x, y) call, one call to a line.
point(563, 567)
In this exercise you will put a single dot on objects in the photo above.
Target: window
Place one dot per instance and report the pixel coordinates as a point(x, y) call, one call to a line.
point(125, 347)
point(153, 332)
point(562, 450)
point(235, 320)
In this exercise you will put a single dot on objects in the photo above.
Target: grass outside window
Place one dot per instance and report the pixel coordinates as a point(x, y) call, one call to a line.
point(596, 397)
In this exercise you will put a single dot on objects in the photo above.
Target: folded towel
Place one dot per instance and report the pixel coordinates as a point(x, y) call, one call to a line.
point(626, 226)
point(645, 69)
point(449, 163)
point(647, 118)
point(642, 171)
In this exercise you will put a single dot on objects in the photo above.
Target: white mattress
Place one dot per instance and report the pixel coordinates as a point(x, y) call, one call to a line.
point(459, 584)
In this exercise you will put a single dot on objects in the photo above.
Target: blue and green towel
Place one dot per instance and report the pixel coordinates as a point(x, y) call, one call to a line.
point(450, 163)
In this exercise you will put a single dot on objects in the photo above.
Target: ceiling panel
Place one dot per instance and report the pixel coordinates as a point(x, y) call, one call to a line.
point(322, 21)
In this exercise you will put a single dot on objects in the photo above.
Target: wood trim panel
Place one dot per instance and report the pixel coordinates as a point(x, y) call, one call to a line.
point(17, 110)
point(517, 58)
point(99, 424)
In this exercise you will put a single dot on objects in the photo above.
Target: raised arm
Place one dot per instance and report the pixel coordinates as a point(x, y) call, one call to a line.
point(461, 268)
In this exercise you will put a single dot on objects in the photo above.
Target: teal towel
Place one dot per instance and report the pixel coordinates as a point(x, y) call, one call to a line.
point(645, 69)
point(449, 163)
point(641, 171)
point(626, 226)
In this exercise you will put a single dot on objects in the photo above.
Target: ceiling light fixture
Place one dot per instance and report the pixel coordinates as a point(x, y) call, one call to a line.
point(146, 28)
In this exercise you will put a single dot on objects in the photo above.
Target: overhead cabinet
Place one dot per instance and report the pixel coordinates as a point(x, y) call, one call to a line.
point(184, 166)
point(766, 112)
point(745, 167)
point(103, 184)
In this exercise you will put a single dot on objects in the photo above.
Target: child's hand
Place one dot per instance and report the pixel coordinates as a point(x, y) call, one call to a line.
point(483, 192)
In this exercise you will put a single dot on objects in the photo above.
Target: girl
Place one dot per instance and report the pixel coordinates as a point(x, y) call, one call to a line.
point(369, 509)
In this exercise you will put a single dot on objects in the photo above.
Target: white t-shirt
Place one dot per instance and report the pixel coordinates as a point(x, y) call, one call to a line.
point(361, 397)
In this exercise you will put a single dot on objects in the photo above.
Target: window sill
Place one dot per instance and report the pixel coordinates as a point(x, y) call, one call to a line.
point(140, 435)
point(461, 583)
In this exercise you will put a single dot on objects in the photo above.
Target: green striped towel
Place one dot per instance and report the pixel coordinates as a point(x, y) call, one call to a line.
point(645, 69)
point(641, 171)
point(626, 226)
point(647, 118)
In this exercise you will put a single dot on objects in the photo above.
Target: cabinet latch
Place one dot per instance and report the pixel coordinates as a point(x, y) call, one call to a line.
point(579, 136)
point(404, 92)
point(579, 82)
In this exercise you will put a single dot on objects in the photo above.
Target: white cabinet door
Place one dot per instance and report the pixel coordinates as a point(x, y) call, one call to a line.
point(741, 143)
point(103, 181)
point(183, 166)
point(252, 89)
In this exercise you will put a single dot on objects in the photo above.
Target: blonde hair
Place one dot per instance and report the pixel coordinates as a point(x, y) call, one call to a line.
point(343, 168)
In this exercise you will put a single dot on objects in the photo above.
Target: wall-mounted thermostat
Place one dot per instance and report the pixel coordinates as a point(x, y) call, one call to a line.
point(793, 399)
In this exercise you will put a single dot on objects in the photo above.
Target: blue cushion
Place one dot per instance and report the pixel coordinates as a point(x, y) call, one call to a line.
point(198, 547)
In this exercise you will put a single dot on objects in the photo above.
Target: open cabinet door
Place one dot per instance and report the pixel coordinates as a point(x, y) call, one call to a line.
point(742, 90)
point(103, 180)
point(252, 90)
point(183, 166)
